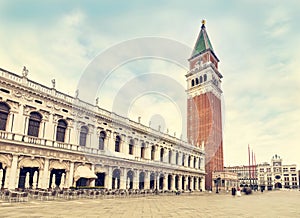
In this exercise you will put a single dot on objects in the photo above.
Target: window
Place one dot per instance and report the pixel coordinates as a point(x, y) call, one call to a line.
point(34, 124)
point(161, 154)
point(189, 161)
point(117, 144)
point(199, 164)
point(4, 111)
point(152, 152)
point(193, 82)
point(201, 80)
point(101, 140)
point(131, 144)
point(183, 157)
point(195, 162)
point(197, 81)
point(83, 133)
point(177, 158)
point(170, 156)
point(205, 77)
point(143, 150)
point(61, 130)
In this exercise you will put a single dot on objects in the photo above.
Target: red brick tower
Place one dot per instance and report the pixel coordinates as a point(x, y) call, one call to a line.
point(204, 121)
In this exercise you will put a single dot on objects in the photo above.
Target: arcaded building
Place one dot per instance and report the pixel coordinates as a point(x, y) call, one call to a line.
point(51, 139)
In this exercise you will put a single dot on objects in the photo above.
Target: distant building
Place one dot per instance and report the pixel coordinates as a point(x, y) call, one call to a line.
point(224, 181)
point(277, 175)
point(269, 176)
point(246, 175)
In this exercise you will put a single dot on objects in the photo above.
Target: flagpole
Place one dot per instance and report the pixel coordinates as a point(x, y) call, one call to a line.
point(255, 168)
point(252, 168)
point(249, 164)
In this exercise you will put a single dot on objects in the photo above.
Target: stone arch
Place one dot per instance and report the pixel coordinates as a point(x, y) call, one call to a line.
point(6, 104)
point(152, 180)
point(100, 169)
point(5, 160)
point(101, 138)
point(4, 113)
point(278, 185)
point(29, 162)
point(142, 176)
point(116, 176)
point(129, 179)
point(101, 173)
point(54, 164)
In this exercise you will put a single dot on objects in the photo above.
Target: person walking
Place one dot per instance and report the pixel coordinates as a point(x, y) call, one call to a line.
point(233, 191)
point(238, 193)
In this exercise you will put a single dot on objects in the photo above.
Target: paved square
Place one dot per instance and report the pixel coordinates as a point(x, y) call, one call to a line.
point(268, 204)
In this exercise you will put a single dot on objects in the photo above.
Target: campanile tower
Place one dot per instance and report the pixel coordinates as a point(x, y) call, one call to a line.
point(204, 115)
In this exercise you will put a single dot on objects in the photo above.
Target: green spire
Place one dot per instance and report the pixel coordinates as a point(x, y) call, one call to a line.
point(203, 43)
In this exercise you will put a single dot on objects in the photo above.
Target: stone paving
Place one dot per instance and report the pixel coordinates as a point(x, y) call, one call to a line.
point(267, 204)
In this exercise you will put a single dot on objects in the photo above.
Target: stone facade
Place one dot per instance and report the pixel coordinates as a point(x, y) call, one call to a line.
point(224, 181)
point(246, 175)
point(267, 175)
point(50, 139)
point(277, 175)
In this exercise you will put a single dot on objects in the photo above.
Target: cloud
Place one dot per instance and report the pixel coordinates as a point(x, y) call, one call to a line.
point(258, 48)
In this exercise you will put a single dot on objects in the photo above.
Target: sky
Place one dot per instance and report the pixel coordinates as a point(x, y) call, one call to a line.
point(133, 56)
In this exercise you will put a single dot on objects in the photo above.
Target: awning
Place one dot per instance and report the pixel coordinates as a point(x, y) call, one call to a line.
point(84, 172)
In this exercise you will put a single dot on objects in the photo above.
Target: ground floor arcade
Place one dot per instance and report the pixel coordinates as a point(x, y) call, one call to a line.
point(23, 171)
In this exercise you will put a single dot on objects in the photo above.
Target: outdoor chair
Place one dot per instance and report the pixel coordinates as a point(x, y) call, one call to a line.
point(105, 193)
point(70, 195)
point(122, 193)
point(91, 194)
point(97, 194)
point(24, 196)
point(5, 194)
point(43, 195)
point(13, 196)
point(78, 194)
point(53, 194)
point(34, 194)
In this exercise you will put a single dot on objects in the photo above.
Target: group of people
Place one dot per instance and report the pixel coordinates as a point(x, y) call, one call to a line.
point(236, 192)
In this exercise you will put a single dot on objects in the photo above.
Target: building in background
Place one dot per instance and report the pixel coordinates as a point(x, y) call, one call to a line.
point(274, 175)
point(224, 181)
point(247, 176)
point(204, 112)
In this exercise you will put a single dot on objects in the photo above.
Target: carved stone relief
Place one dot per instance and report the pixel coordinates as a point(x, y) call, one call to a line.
point(5, 160)
point(17, 93)
point(29, 162)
